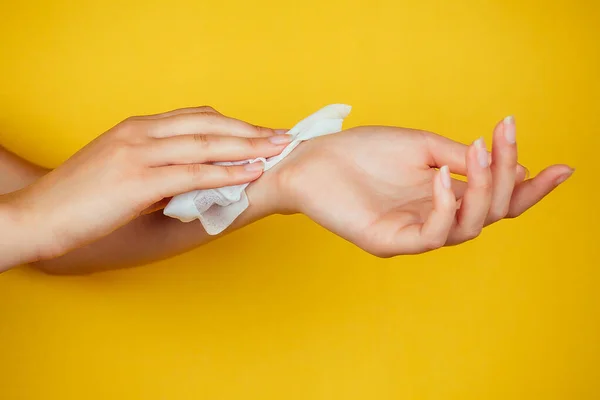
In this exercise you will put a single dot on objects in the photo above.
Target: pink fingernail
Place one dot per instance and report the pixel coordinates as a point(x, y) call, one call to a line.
point(564, 177)
point(280, 131)
point(482, 155)
point(280, 139)
point(256, 166)
point(445, 175)
point(510, 132)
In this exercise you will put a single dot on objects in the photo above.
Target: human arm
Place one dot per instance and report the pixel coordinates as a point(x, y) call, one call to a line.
point(150, 237)
point(371, 185)
point(374, 186)
point(388, 190)
point(123, 174)
point(154, 236)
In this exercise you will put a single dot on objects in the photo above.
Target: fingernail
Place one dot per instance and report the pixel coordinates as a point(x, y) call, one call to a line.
point(256, 166)
point(482, 154)
point(445, 175)
point(280, 139)
point(280, 131)
point(564, 177)
point(510, 132)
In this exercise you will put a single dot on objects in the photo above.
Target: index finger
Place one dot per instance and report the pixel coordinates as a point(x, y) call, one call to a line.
point(445, 151)
point(204, 123)
point(532, 191)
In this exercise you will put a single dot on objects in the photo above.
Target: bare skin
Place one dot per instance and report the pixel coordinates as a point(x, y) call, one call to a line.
point(389, 191)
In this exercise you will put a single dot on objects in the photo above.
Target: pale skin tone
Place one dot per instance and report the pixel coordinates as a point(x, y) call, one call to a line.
point(386, 189)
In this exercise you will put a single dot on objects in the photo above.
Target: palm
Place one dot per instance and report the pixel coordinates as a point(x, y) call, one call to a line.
point(364, 183)
point(371, 185)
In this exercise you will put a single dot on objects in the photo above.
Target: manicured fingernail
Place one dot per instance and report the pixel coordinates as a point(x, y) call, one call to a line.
point(280, 139)
point(255, 166)
point(510, 132)
point(482, 154)
point(564, 177)
point(280, 131)
point(445, 175)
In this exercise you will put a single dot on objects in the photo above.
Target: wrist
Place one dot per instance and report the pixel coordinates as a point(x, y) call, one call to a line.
point(290, 179)
point(264, 195)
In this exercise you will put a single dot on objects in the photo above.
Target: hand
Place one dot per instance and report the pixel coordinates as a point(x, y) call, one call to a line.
point(379, 187)
point(128, 170)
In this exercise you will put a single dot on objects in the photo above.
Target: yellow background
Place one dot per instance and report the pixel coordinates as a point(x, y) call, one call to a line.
point(295, 312)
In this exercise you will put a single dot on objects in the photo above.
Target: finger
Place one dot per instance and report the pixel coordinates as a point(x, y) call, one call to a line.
point(432, 234)
point(185, 110)
point(459, 188)
point(504, 171)
point(208, 109)
point(203, 122)
point(444, 151)
point(522, 172)
point(191, 149)
point(176, 179)
point(477, 198)
point(530, 192)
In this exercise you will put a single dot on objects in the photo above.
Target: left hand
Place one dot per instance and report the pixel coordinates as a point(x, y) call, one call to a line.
point(125, 172)
point(380, 187)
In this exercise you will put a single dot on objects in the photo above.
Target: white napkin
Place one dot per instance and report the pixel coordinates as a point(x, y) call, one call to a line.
point(218, 208)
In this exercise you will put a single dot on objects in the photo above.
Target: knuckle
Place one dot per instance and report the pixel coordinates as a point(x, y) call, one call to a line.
point(377, 249)
point(486, 186)
point(129, 124)
point(254, 143)
point(471, 234)
point(129, 128)
point(498, 213)
point(508, 163)
point(201, 139)
point(512, 214)
point(207, 109)
point(212, 118)
point(378, 243)
point(435, 242)
point(507, 159)
point(493, 217)
point(232, 172)
point(262, 131)
point(195, 169)
point(379, 253)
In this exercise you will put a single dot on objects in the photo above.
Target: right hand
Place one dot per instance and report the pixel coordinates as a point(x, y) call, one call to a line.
point(132, 167)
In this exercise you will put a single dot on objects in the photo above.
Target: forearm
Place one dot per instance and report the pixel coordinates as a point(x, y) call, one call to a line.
point(16, 173)
point(154, 237)
point(148, 238)
point(17, 244)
